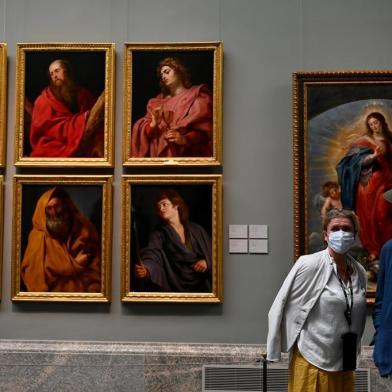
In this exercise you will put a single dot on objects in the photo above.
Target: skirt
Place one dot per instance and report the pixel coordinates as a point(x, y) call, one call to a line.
point(305, 377)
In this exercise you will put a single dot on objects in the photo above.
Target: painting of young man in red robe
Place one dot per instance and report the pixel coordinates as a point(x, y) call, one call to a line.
point(176, 119)
point(66, 119)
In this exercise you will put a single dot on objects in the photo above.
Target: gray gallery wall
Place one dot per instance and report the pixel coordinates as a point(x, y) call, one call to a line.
point(264, 42)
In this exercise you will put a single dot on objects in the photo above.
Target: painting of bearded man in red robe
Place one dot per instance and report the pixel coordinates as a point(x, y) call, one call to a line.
point(66, 119)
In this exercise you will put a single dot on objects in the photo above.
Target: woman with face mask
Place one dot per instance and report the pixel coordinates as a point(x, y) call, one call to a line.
point(319, 313)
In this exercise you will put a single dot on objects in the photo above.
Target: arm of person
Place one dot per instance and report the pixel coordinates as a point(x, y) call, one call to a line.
point(377, 154)
point(200, 266)
point(32, 267)
point(377, 307)
point(196, 125)
point(297, 296)
point(184, 137)
point(141, 271)
point(326, 206)
point(276, 314)
point(156, 116)
point(151, 123)
point(82, 258)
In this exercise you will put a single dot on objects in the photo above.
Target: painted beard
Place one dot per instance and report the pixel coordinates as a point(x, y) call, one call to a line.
point(66, 93)
point(59, 225)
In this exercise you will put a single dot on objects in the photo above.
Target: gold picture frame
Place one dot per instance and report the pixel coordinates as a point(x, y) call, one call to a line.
point(332, 137)
point(74, 258)
point(176, 282)
point(188, 128)
point(3, 101)
point(67, 119)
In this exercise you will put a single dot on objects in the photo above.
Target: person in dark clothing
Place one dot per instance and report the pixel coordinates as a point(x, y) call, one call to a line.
point(382, 310)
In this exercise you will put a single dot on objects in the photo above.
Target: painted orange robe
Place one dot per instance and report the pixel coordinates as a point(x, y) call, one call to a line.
point(50, 265)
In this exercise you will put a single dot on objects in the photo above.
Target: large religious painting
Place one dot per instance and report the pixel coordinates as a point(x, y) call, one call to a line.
point(3, 101)
point(172, 238)
point(64, 104)
point(62, 227)
point(343, 159)
point(173, 104)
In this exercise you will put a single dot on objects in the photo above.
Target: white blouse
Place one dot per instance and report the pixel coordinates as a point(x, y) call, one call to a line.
point(320, 340)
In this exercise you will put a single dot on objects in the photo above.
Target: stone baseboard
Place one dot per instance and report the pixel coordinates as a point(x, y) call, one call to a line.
point(123, 366)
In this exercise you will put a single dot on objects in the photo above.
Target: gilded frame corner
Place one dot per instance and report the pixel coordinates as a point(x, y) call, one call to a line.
point(140, 62)
point(34, 59)
point(27, 193)
point(329, 121)
point(3, 102)
point(138, 193)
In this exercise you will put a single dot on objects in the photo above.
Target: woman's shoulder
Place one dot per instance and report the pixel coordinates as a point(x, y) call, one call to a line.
point(358, 264)
point(312, 262)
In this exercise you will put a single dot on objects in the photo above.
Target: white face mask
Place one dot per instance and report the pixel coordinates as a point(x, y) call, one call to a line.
point(341, 241)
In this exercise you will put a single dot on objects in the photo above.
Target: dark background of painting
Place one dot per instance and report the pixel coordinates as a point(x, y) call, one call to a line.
point(145, 83)
point(88, 70)
point(87, 198)
point(322, 97)
point(198, 198)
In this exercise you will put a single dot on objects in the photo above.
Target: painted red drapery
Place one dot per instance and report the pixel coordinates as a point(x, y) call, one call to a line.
point(192, 109)
point(56, 131)
point(374, 212)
